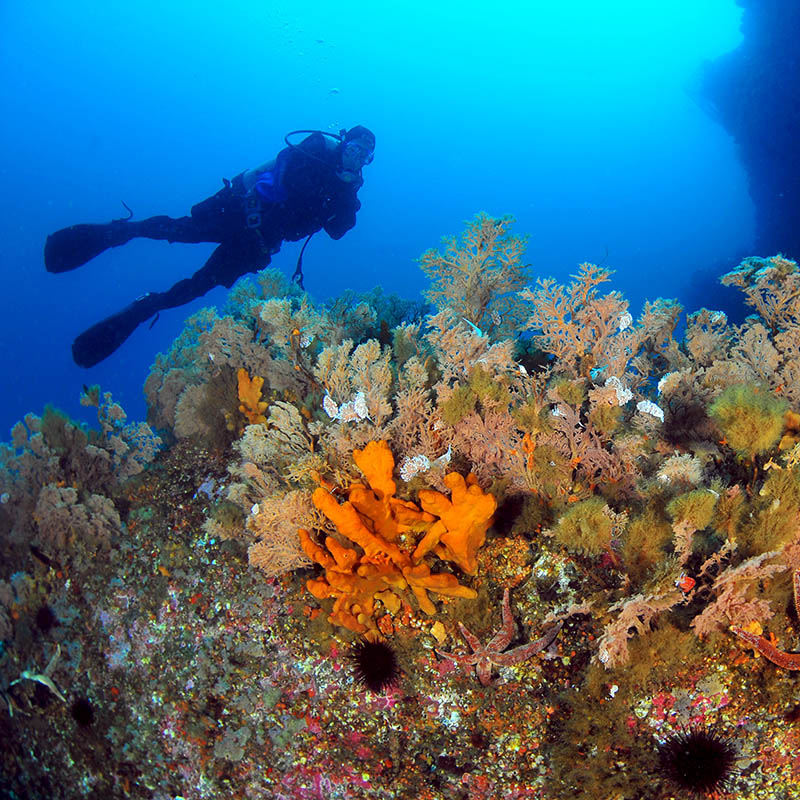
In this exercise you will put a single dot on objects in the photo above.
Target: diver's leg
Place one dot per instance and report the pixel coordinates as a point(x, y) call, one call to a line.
point(228, 262)
point(225, 266)
point(216, 219)
point(182, 229)
point(72, 247)
point(219, 218)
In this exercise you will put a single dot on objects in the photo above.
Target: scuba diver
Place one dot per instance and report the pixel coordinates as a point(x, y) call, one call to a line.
point(307, 187)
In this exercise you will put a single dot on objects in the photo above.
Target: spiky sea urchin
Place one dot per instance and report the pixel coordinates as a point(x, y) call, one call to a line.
point(82, 712)
point(699, 761)
point(375, 664)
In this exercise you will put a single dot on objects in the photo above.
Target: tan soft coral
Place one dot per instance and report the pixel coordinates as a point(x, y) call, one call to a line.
point(592, 334)
point(382, 527)
point(478, 275)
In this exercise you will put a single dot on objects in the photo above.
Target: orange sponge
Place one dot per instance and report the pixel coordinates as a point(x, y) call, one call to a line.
point(252, 405)
point(382, 563)
point(464, 519)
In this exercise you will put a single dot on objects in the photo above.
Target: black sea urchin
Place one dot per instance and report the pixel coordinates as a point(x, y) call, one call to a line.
point(699, 761)
point(82, 712)
point(375, 665)
point(45, 619)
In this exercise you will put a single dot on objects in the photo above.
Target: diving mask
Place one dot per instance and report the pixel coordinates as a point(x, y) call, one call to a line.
point(356, 154)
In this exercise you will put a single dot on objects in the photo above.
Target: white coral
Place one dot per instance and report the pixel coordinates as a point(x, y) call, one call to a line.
point(649, 407)
point(413, 465)
point(624, 394)
point(360, 405)
point(331, 409)
point(684, 467)
point(351, 411)
point(668, 382)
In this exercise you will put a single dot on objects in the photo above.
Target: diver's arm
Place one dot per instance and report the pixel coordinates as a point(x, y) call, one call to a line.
point(343, 218)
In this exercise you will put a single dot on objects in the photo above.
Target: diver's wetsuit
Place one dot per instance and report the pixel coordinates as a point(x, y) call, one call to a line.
point(297, 194)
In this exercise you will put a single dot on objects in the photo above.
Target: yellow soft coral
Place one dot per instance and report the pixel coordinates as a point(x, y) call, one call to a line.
point(252, 406)
point(381, 526)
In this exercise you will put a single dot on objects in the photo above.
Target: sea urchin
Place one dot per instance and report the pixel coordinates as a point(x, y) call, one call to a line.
point(699, 761)
point(375, 664)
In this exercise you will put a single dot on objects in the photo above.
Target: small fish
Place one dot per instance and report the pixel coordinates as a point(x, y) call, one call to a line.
point(48, 562)
point(474, 327)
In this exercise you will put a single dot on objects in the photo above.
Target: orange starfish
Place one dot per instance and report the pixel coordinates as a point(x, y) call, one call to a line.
point(765, 646)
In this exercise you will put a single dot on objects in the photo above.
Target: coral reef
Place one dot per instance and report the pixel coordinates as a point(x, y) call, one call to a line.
point(372, 476)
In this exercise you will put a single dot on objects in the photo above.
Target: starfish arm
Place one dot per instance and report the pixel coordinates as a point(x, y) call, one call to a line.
point(465, 659)
point(506, 632)
point(768, 650)
point(796, 587)
point(525, 651)
point(472, 640)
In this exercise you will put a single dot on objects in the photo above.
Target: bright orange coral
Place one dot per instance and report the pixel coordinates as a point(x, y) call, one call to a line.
point(350, 523)
point(379, 524)
point(464, 519)
point(389, 515)
point(353, 585)
point(422, 581)
point(252, 406)
point(377, 463)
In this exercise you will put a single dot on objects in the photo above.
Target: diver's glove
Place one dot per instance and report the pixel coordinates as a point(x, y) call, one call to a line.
point(102, 339)
point(74, 246)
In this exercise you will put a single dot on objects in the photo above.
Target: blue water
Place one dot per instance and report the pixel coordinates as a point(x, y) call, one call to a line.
point(574, 116)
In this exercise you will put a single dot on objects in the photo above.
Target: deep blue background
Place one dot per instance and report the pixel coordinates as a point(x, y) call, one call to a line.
point(576, 117)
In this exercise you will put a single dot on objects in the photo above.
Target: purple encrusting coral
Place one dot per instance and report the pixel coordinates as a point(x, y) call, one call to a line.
point(197, 645)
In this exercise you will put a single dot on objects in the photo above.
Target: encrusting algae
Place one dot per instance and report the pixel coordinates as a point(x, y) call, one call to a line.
point(515, 472)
